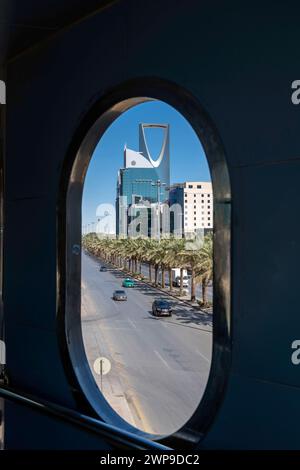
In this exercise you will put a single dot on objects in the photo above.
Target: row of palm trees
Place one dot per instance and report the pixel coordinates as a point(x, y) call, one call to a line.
point(164, 255)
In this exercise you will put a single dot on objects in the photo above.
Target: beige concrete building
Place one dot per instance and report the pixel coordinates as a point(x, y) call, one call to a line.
point(196, 200)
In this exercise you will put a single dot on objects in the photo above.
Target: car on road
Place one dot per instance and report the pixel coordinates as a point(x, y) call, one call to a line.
point(128, 282)
point(161, 308)
point(119, 295)
point(185, 281)
point(103, 269)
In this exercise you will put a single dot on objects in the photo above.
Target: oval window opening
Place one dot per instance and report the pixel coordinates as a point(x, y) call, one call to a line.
point(147, 268)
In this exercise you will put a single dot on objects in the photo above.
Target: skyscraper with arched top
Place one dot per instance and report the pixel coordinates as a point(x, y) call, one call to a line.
point(162, 163)
point(144, 178)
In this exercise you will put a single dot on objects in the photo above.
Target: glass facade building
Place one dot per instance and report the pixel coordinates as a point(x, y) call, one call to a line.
point(142, 180)
point(140, 183)
point(176, 196)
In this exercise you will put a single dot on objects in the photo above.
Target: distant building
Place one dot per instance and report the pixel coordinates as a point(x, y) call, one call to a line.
point(142, 181)
point(162, 163)
point(142, 219)
point(196, 201)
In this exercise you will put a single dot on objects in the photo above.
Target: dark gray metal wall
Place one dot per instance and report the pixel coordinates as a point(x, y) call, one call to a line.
point(239, 61)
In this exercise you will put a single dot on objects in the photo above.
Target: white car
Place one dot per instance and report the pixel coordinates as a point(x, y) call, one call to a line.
point(185, 281)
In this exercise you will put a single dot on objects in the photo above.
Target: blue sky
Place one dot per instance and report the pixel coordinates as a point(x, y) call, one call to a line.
point(187, 158)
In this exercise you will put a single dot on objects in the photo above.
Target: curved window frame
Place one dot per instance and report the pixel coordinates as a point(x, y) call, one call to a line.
point(100, 116)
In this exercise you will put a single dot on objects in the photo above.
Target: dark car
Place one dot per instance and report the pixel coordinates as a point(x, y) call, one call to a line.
point(119, 295)
point(103, 269)
point(161, 308)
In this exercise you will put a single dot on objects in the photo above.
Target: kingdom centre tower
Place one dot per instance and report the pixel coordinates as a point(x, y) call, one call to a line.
point(144, 180)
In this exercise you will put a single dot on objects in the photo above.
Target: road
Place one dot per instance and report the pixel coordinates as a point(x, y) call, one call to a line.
point(160, 366)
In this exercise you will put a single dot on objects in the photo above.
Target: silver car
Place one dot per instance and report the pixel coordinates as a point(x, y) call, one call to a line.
point(119, 295)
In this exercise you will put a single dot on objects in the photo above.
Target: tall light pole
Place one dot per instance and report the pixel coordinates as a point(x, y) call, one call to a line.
point(141, 181)
point(158, 185)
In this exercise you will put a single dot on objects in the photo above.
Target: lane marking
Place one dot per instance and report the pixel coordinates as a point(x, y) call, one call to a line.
point(132, 324)
point(202, 355)
point(140, 414)
point(162, 359)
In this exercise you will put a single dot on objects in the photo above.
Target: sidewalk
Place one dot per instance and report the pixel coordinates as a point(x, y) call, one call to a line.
point(95, 346)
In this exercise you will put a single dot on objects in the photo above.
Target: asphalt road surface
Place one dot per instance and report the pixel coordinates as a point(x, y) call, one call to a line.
point(159, 366)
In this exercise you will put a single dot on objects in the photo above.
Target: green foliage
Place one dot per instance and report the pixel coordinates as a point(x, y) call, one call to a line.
point(165, 254)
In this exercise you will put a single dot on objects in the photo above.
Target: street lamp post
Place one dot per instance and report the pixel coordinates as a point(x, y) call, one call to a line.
point(140, 181)
point(158, 185)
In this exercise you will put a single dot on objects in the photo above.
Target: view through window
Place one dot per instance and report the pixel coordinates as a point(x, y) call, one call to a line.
point(147, 267)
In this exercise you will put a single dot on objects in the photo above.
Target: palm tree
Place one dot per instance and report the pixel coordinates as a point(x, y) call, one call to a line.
point(164, 259)
point(204, 268)
point(140, 252)
point(147, 255)
point(191, 258)
point(172, 259)
point(156, 257)
point(164, 254)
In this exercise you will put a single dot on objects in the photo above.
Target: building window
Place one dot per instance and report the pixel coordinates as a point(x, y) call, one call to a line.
point(198, 186)
point(208, 218)
point(208, 224)
point(194, 213)
point(195, 224)
point(190, 186)
point(194, 218)
point(208, 212)
point(195, 207)
point(202, 201)
point(208, 207)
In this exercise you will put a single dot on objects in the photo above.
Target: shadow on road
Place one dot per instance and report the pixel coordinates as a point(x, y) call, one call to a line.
point(182, 313)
